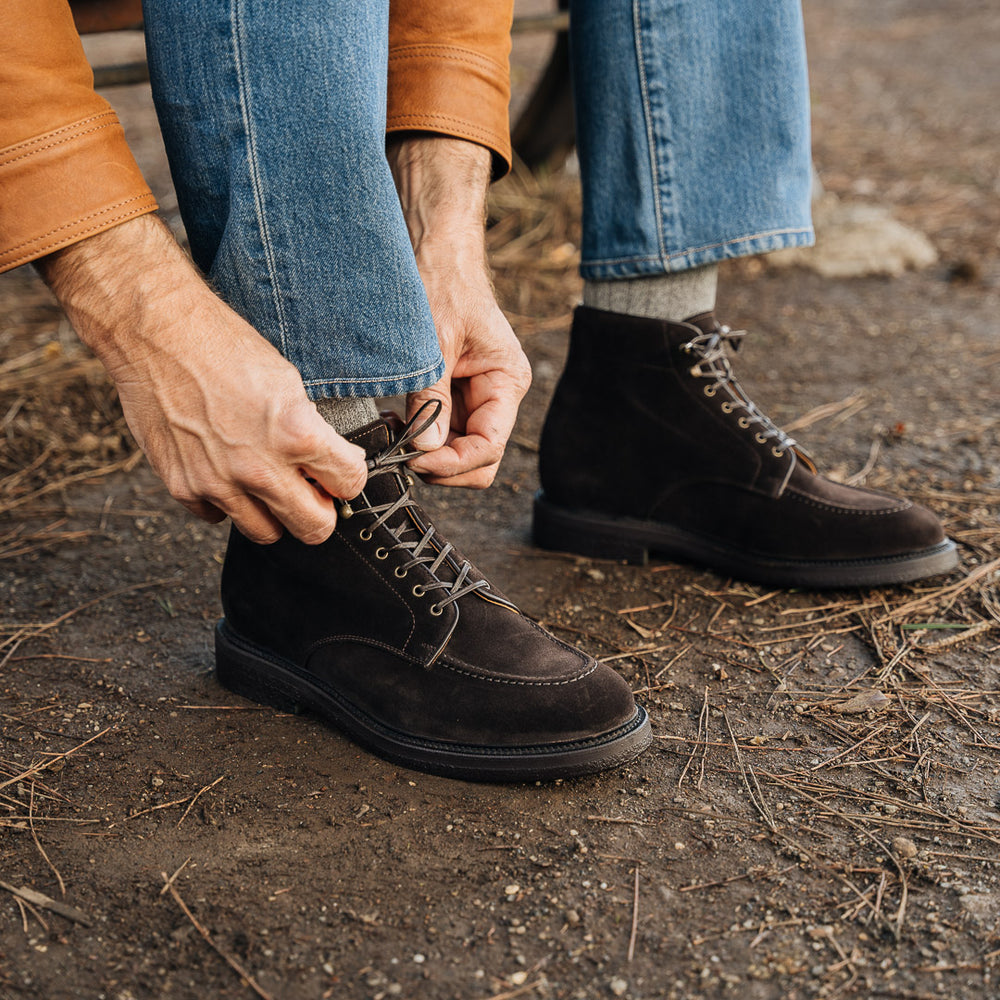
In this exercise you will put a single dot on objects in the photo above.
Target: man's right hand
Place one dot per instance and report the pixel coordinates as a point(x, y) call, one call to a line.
point(222, 417)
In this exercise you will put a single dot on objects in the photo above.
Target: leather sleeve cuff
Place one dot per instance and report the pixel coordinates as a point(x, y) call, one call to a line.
point(65, 185)
point(452, 91)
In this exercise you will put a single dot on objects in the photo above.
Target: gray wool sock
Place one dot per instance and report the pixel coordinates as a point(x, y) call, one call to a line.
point(346, 414)
point(673, 297)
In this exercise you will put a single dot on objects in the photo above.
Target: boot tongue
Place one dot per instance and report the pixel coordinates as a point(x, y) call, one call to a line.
point(705, 322)
point(373, 438)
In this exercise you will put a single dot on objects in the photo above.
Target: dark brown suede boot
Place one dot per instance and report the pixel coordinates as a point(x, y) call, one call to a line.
point(650, 444)
point(388, 633)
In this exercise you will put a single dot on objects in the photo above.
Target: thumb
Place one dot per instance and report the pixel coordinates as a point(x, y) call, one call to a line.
point(436, 435)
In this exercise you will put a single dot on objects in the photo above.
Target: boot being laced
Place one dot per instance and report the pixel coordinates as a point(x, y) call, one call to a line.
point(387, 632)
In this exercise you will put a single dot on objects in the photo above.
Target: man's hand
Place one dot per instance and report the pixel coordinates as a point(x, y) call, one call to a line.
point(221, 415)
point(442, 186)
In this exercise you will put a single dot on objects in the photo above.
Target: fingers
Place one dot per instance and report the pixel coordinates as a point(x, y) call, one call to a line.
point(204, 510)
point(472, 454)
point(478, 479)
point(250, 516)
point(255, 521)
point(336, 464)
point(288, 478)
point(437, 434)
point(301, 496)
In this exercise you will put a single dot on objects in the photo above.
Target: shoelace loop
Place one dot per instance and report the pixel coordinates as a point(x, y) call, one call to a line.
point(714, 364)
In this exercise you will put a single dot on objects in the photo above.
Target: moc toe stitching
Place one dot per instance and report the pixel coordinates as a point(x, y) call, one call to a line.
point(456, 666)
point(859, 511)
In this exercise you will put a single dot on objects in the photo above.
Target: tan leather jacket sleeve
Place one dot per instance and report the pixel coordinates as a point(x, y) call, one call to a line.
point(65, 170)
point(449, 72)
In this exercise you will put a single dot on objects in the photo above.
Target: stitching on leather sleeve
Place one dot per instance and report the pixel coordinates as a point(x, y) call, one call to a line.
point(445, 52)
point(56, 137)
point(428, 121)
point(39, 251)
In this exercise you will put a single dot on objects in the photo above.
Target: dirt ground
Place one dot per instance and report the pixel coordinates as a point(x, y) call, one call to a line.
point(820, 813)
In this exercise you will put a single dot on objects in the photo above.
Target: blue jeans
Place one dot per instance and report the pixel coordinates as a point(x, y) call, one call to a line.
point(273, 116)
point(692, 131)
point(693, 135)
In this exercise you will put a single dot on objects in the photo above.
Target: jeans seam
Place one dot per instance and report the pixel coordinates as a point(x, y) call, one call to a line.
point(665, 256)
point(383, 379)
point(647, 113)
point(253, 168)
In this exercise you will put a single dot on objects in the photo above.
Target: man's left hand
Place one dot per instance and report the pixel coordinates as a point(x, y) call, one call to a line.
point(442, 185)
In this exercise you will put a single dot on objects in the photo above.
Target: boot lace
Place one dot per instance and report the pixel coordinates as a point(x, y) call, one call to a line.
point(421, 548)
point(713, 364)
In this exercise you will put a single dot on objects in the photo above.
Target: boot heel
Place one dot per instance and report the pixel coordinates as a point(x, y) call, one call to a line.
point(582, 534)
point(251, 676)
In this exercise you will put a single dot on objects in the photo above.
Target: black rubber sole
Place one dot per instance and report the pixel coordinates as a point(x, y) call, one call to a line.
point(590, 534)
point(259, 676)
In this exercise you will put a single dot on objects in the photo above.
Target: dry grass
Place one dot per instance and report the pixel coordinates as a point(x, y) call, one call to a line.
point(534, 244)
point(59, 417)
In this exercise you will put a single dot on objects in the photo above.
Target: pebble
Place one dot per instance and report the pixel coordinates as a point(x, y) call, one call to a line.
point(904, 847)
point(618, 986)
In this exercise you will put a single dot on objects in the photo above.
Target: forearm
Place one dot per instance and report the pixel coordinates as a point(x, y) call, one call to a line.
point(117, 287)
point(442, 184)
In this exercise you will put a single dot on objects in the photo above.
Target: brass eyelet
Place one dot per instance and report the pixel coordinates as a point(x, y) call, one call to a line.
point(760, 438)
point(710, 390)
point(436, 610)
point(381, 553)
point(400, 572)
point(418, 590)
point(778, 452)
point(365, 535)
point(744, 422)
point(728, 407)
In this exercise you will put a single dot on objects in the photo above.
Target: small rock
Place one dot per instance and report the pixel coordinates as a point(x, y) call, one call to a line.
point(618, 986)
point(904, 847)
point(864, 701)
point(572, 918)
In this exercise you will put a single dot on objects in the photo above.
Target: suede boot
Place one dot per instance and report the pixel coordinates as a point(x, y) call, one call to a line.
point(650, 444)
point(387, 632)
